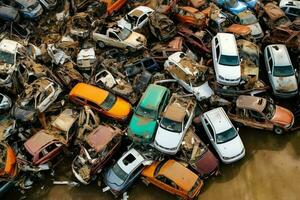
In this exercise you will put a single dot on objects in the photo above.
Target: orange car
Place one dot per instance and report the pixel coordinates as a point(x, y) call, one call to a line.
point(174, 178)
point(8, 167)
point(101, 100)
point(190, 15)
point(114, 5)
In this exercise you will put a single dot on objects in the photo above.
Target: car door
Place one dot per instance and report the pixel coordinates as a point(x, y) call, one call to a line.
point(165, 184)
point(210, 132)
point(259, 120)
point(269, 65)
point(114, 40)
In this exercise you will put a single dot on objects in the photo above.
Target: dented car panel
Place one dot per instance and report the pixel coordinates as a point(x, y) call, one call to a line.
point(8, 162)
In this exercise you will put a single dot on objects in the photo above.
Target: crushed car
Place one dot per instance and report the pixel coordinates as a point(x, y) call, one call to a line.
point(96, 150)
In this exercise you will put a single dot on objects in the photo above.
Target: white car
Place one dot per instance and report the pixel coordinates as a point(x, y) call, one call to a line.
point(189, 74)
point(280, 71)
point(8, 59)
point(175, 121)
point(136, 18)
point(226, 59)
point(290, 7)
point(223, 135)
point(86, 59)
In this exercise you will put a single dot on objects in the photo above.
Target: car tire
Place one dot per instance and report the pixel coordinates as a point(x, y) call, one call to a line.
point(101, 44)
point(278, 130)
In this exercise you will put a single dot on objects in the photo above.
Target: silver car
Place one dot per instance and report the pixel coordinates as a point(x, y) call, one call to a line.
point(280, 71)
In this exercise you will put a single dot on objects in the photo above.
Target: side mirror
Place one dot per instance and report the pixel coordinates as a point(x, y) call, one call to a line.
point(238, 129)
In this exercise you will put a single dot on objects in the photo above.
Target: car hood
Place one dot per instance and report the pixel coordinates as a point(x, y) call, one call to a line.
point(136, 39)
point(113, 181)
point(142, 127)
point(230, 72)
point(207, 163)
point(231, 148)
point(203, 91)
point(167, 139)
point(255, 29)
point(285, 84)
point(283, 116)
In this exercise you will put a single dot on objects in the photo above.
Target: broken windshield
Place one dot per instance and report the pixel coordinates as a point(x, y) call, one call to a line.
point(124, 33)
point(269, 110)
point(6, 57)
point(171, 125)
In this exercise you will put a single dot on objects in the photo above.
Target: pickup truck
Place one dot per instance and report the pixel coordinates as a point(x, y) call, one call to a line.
point(119, 37)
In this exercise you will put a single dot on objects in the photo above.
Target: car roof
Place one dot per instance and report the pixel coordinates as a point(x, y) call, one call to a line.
point(65, 120)
point(176, 172)
point(152, 96)
point(138, 11)
point(138, 159)
point(218, 119)
point(100, 137)
point(37, 141)
point(273, 11)
point(9, 46)
point(174, 112)
point(251, 102)
point(227, 40)
point(279, 54)
point(89, 92)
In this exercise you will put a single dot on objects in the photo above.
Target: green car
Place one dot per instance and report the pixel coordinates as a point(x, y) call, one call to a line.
point(143, 123)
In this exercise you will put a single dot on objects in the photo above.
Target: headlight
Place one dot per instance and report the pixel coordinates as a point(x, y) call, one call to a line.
point(221, 77)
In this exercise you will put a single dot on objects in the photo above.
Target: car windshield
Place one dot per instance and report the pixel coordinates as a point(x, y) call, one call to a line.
point(109, 102)
point(119, 172)
point(229, 60)
point(283, 71)
point(248, 19)
point(145, 112)
point(6, 57)
point(226, 135)
point(171, 125)
point(124, 33)
point(269, 110)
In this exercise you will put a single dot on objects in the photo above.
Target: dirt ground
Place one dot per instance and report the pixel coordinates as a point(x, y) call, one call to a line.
point(270, 170)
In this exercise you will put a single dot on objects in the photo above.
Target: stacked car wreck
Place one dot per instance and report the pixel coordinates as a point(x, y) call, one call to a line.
point(141, 90)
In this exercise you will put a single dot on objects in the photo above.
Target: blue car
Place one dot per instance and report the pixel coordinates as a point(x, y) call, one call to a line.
point(233, 6)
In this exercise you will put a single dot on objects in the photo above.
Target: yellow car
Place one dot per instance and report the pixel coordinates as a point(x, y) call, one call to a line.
point(100, 100)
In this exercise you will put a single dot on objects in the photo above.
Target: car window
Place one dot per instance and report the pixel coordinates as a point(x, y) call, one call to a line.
point(148, 62)
point(142, 18)
point(271, 64)
point(295, 11)
point(113, 36)
point(210, 130)
point(167, 181)
point(218, 51)
point(256, 115)
point(137, 170)
point(216, 41)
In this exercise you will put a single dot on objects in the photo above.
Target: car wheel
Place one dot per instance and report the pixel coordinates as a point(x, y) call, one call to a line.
point(278, 130)
point(101, 44)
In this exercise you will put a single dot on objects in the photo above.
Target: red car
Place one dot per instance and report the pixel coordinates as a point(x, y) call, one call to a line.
point(42, 147)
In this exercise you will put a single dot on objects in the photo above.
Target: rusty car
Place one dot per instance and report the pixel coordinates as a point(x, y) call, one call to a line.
point(261, 113)
point(273, 16)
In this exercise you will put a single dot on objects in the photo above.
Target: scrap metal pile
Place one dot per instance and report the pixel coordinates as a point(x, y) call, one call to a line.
point(134, 89)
